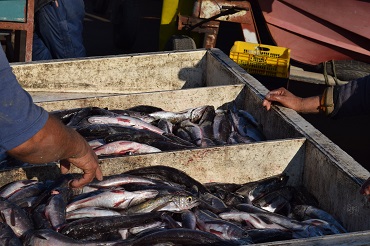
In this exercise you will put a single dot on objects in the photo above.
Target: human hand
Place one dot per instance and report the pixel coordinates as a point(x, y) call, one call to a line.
point(289, 100)
point(283, 96)
point(88, 163)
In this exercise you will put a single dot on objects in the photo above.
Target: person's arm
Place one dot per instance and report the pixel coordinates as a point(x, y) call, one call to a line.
point(30, 134)
point(289, 100)
point(54, 142)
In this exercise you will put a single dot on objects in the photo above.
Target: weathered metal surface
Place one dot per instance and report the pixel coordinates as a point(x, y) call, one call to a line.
point(294, 145)
point(361, 238)
point(40, 96)
point(176, 100)
point(115, 74)
point(235, 163)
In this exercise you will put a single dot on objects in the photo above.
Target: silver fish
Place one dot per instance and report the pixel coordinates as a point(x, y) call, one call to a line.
point(89, 212)
point(48, 237)
point(27, 191)
point(250, 219)
point(15, 217)
point(221, 128)
point(304, 211)
point(55, 209)
point(192, 114)
point(115, 199)
point(122, 179)
point(15, 186)
point(259, 188)
point(189, 220)
point(8, 237)
point(96, 143)
point(223, 229)
point(124, 147)
point(155, 224)
point(171, 202)
point(124, 121)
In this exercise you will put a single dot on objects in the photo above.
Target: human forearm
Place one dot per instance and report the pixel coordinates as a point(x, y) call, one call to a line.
point(56, 142)
point(53, 142)
point(287, 99)
point(309, 105)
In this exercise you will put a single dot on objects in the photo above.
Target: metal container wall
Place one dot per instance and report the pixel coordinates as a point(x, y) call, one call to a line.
point(294, 145)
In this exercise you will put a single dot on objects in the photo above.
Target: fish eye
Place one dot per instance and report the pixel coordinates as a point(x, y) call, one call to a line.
point(189, 199)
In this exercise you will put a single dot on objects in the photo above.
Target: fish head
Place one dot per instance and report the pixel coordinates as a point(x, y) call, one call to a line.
point(184, 202)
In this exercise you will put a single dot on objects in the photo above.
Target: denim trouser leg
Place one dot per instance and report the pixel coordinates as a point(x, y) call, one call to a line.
point(58, 29)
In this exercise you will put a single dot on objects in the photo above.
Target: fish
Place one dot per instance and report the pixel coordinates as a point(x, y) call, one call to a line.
point(189, 220)
point(250, 219)
point(15, 217)
point(192, 114)
point(221, 128)
point(273, 218)
point(196, 133)
point(165, 125)
point(176, 202)
point(245, 124)
point(160, 141)
point(269, 235)
point(145, 205)
point(177, 236)
point(257, 189)
point(49, 237)
point(125, 121)
point(55, 209)
point(65, 115)
point(83, 228)
point(10, 188)
point(121, 179)
point(30, 190)
point(81, 115)
point(147, 226)
point(39, 218)
point(90, 212)
point(115, 199)
point(303, 211)
point(221, 228)
point(277, 201)
point(170, 174)
point(124, 148)
point(8, 237)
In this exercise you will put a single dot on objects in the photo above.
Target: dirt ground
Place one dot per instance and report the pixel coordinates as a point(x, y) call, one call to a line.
point(351, 134)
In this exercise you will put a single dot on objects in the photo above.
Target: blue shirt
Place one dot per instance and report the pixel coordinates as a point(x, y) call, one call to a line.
point(352, 98)
point(20, 118)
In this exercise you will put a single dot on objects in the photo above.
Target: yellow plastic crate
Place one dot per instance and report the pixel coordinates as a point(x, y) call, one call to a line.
point(261, 59)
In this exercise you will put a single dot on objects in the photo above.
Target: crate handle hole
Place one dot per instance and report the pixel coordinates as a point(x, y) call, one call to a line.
point(263, 48)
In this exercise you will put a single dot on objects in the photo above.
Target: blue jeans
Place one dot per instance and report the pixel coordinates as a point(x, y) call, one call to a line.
point(58, 31)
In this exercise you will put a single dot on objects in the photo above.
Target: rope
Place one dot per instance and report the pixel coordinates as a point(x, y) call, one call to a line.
point(325, 73)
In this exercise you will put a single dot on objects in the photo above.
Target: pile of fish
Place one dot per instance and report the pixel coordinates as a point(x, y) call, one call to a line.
point(148, 129)
point(159, 205)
